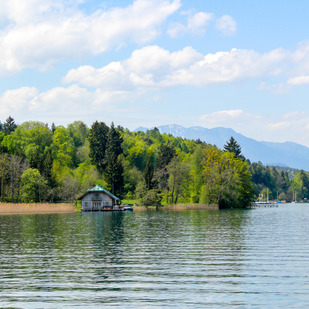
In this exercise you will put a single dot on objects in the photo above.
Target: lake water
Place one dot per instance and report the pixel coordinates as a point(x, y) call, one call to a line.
point(255, 258)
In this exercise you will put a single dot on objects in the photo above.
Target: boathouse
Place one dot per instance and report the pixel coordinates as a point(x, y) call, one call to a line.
point(98, 199)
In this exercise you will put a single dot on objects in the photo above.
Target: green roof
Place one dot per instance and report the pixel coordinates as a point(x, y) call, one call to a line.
point(98, 188)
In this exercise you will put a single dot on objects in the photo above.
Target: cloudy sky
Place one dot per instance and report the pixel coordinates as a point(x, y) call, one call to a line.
point(236, 64)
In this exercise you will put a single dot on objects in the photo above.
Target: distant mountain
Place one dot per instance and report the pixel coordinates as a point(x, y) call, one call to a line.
point(276, 154)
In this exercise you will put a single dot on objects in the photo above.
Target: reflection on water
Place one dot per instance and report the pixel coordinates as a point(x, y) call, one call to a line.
point(216, 259)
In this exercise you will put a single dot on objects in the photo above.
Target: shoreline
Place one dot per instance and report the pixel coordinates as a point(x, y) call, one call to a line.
point(45, 208)
point(178, 207)
point(36, 208)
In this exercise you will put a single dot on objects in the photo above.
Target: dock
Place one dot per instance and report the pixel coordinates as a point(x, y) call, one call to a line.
point(104, 209)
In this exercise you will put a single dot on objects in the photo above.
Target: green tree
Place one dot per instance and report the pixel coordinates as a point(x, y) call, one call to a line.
point(114, 168)
point(154, 134)
point(234, 147)
point(87, 176)
point(46, 169)
point(98, 139)
point(132, 177)
point(63, 152)
point(30, 140)
point(135, 150)
point(4, 159)
point(148, 174)
point(178, 178)
point(53, 127)
point(9, 125)
point(33, 186)
point(301, 185)
point(83, 152)
point(151, 198)
point(228, 180)
point(16, 167)
point(197, 172)
point(63, 147)
point(165, 155)
point(79, 132)
point(69, 188)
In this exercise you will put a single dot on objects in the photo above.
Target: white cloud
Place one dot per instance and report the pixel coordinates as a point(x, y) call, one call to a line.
point(281, 125)
point(66, 104)
point(223, 67)
point(176, 29)
point(157, 67)
point(226, 24)
point(229, 118)
point(276, 128)
point(69, 100)
point(153, 66)
point(16, 100)
point(299, 80)
point(279, 89)
point(196, 24)
point(29, 11)
point(147, 67)
point(60, 104)
point(38, 34)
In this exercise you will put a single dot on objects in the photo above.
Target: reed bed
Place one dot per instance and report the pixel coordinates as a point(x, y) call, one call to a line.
point(7, 208)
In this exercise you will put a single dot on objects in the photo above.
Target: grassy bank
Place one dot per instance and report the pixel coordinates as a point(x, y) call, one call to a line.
point(10, 208)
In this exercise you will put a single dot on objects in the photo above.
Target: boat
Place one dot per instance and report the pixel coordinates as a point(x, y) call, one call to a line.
point(127, 208)
point(261, 202)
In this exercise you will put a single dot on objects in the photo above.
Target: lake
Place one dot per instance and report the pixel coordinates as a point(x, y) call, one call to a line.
point(257, 258)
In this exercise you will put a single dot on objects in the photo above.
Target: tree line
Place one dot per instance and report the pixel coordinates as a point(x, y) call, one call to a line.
point(42, 163)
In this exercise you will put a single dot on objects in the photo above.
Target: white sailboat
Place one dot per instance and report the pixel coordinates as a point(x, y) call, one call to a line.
point(261, 202)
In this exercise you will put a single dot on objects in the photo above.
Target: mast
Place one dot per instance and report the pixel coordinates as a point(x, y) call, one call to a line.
point(267, 197)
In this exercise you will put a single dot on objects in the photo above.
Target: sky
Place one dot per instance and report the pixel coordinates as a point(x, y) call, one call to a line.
point(235, 64)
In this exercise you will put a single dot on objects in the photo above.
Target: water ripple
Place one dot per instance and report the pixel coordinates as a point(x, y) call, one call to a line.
point(187, 259)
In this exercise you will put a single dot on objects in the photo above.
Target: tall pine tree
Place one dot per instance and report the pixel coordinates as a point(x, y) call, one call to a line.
point(233, 146)
point(148, 174)
point(98, 139)
point(114, 169)
point(9, 125)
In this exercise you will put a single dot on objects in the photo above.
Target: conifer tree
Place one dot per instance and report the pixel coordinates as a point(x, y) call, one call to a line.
point(53, 127)
point(233, 146)
point(148, 174)
point(97, 140)
point(114, 169)
point(9, 125)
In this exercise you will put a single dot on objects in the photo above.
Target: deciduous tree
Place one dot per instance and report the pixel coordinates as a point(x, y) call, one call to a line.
point(178, 177)
point(34, 186)
point(16, 167)
point(4, 161)
point(228, 181)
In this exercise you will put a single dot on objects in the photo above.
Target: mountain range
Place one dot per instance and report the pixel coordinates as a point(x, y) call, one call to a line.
point(286, 154)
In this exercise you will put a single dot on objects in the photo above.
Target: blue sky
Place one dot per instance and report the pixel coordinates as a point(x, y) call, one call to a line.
point(237, 64)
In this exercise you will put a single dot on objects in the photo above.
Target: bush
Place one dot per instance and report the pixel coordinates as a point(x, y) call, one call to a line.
point(151, 198)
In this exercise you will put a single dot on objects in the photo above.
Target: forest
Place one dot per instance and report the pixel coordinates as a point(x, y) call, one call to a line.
point(42, 163)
